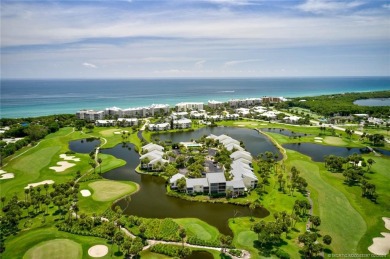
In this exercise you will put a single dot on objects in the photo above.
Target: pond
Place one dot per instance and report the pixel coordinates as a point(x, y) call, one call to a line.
point(284, 132)
point(373, 102)
point(254, 142)
point(84, 145)
point(317, 152)
point(152, 202)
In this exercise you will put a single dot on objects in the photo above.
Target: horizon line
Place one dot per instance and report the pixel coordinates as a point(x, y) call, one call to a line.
point(170, 78)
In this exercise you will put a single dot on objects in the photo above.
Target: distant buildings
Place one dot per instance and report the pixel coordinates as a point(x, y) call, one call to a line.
point(112, 112)
point(189, 106)
point(196, 109)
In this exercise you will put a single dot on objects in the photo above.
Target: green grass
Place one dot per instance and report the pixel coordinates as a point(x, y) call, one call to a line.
point(334, 141)
point(198, 228)
point(333, 207)
point(106, 190)
point(56, 249)
point(20, 246)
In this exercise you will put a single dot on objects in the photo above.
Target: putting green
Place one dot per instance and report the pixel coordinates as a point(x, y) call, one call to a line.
point(334, 141)
point(198, 228)
point(110, 190)
point(55, 249)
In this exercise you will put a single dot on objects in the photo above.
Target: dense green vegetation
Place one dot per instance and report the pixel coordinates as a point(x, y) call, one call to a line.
point(349, 195)
point(342, 104)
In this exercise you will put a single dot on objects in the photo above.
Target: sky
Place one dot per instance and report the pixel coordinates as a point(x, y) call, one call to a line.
point(194, 38)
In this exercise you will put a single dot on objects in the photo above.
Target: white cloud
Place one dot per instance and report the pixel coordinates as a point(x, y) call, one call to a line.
point(234, 2)
point(89, 65)
point(326, 6)
point(386, 6)
point(237, 62)
point(199, 64)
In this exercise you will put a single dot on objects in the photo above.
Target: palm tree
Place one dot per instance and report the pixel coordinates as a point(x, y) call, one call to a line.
point(182, 235)
point(100, 164)
point(2, 200)
point(252, 207)
point(46, 186)
point(26, 192)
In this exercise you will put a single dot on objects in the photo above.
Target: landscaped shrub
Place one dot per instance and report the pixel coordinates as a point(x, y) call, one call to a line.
point(169, 250)
point(197, 241)
point(235, 252)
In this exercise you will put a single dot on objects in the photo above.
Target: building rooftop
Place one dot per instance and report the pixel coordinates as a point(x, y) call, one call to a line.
point(216, 177)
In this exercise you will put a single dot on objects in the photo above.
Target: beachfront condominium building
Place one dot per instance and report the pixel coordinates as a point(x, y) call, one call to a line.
point(248, 102)
point(115, 112)
point(215, 104)
point(182, 107)
point(90, 115)
point(268, 99)
point(145, 111)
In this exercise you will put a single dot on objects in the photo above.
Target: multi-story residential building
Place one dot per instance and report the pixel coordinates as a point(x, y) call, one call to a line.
point(184, 106)
point(182, 123)
point(90, 115)
point(215, 104)
point(159, 126)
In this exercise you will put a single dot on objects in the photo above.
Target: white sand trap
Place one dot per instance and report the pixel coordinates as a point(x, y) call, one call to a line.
point(318, 138)
point(4, 175)
point(318, 141)
point(387, 222)
point(98, 251)
point(121, 132)
point(40, 183)
point(62, 166)
point(85, 193)
point(69, 158)
point(381, 245)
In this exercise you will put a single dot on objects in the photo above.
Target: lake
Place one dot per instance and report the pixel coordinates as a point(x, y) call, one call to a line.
point(254, 142)
point(373, 102)
point(152, 202)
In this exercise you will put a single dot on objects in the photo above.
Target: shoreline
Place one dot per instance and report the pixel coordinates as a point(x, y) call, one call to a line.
point(25, 102)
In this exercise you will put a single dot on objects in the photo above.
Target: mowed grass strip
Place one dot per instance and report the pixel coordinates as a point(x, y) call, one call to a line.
point(106, 190)
point(338, 217)
point(198, 228)
point(55, 249)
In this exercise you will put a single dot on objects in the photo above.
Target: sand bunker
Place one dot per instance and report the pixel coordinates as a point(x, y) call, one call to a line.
point(387, 222)
point(98, 251)
point(62, 166)
point(69, 158)
point(85, 193)
point(381, 245)
point(318, 138)
point(318, 141)
point(4, 175)
point(120, 132)
point(40, 183)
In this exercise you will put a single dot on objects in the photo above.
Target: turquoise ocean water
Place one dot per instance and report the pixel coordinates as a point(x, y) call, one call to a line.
point(30, 98)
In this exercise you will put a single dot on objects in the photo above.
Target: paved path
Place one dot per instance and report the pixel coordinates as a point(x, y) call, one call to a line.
point(246, 254)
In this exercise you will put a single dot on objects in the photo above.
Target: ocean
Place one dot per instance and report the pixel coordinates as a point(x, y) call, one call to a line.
point(32, 98)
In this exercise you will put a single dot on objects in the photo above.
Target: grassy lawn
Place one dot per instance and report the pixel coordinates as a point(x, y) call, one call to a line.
point(56, 248)
point(336, 212)
point(244, 238)
point(106, 190)
point(198, 228)
point(41, 242)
